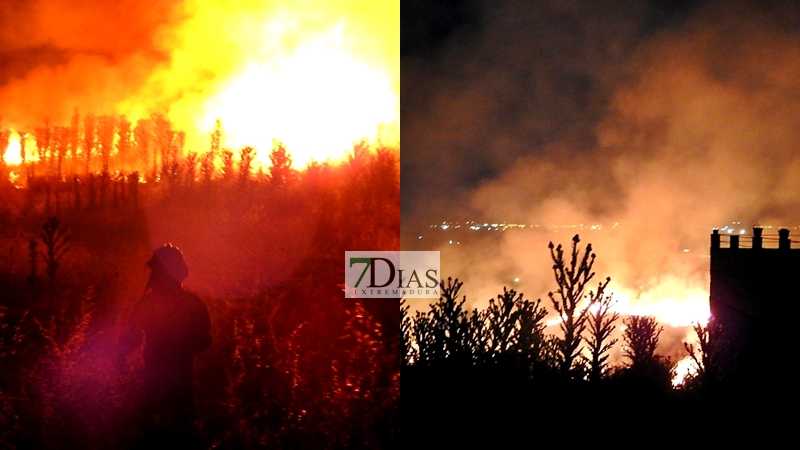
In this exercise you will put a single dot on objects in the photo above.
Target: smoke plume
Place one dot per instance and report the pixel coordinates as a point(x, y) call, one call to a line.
point(658, 129)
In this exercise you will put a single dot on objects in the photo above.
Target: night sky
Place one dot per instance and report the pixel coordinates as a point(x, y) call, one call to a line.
point(486, 84)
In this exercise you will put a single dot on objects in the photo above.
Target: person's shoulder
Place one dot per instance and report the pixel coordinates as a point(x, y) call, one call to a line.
point(193, 300)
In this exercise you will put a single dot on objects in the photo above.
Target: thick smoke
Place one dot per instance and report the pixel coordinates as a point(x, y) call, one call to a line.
point(59, 55)
point(666, 132)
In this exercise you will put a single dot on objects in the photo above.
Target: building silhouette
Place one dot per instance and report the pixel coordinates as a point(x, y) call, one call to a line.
point(754, 296)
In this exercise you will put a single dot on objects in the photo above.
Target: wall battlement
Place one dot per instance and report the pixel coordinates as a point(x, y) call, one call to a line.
point(755, 295)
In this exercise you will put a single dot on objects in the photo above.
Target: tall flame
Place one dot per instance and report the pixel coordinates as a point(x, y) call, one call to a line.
point(316, 75)
point(317, 101)
point(12, 152)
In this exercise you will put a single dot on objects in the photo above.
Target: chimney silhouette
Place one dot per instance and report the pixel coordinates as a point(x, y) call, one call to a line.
point(757, 239)
point(715, 238)
point(783, 239)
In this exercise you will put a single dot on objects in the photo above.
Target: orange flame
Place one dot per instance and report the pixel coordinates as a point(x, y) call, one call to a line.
point(671, 301)
point(316, 75)
point(12, 152)
point(685, 368)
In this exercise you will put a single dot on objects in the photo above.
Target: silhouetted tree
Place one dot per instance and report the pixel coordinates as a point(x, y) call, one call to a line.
point(709, 356)
point(423, 332)
point(55, 238)
point(142, 136)
point(246, 156)
point(479, 337)
point(216, 138)
point(61, 143)
point(178, 144)
point(451, 331)
point(106, 126)
point(600, 325)
point(172, 173)
point(502, 321)
point(164, 135)
point(641, 339)
point(644, 368)
point(358, 159)
point(191, 168)
point(42, 137)
point(74, 134)
point(572, 277)
point(443, 332)
point(89, 122)
point(530, 342)
point(124, 143)
point(227, 164)
point(280, 171)
point(207, 166)
point(515, 328)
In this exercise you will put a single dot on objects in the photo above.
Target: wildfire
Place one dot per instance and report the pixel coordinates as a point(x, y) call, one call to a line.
point(317, 102)
point(684, 369)
point(671, 301)
point(317, 76)
point(12, 154)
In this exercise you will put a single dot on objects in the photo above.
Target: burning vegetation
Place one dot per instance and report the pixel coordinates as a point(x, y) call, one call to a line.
point(263, 141)
point(292, 362)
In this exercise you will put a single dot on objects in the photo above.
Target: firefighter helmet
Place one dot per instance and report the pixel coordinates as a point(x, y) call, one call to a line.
point(170, 260)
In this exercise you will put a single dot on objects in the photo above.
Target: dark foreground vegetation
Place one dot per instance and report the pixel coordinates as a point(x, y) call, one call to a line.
point(496, 378)
point(293, 364)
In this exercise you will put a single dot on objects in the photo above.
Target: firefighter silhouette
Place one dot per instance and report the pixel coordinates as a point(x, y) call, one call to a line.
point(175, 326)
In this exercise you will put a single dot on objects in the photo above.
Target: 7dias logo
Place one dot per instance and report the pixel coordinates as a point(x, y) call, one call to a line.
point(391, 274)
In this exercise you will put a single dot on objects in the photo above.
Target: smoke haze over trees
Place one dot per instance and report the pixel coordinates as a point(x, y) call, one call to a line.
point(666, 118)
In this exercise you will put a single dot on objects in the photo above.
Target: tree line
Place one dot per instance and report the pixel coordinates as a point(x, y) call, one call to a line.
point(151, 147)
point(496, 376)
point(511, 331)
